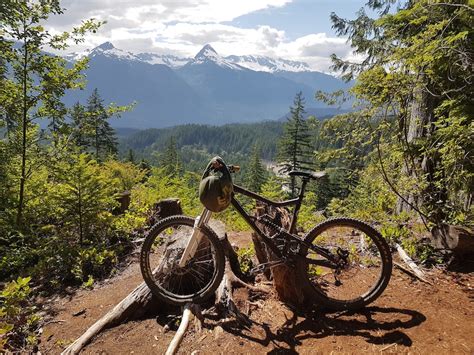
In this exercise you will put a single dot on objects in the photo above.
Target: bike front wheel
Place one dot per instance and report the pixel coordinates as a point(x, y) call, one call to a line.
point(160, 256)
point(364, 264)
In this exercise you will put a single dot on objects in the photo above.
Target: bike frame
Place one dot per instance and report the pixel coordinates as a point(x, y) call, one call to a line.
point(251, 221)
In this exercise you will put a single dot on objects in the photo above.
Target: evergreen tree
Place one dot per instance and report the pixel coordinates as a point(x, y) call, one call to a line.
point(37, 82)
point(256, 172)
point(102, 135)
point(169, 159)
point(131, 156)
point(79, 124)
point(418, 67)
point(83, 191)
point(295, 149)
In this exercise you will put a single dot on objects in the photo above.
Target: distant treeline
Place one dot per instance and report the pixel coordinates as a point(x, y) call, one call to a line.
point(197, 142)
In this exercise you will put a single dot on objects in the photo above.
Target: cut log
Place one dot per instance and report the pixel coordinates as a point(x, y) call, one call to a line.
point(285, 278)
point(458, 239)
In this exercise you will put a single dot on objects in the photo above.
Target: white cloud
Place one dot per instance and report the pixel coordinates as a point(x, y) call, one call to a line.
point(182, 27)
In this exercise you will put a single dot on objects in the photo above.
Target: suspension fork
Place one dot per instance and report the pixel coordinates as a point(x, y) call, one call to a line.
point(195, 239)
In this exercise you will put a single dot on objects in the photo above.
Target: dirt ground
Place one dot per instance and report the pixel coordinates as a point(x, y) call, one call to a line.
point(410, 317)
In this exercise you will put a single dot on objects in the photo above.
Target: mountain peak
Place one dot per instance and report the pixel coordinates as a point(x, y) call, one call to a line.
point(105, 46)
point(207, 52)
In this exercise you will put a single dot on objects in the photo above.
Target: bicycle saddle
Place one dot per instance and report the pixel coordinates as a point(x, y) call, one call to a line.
point(308, 174)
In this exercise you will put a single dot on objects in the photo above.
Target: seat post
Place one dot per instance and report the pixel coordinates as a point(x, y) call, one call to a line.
point(298, 204)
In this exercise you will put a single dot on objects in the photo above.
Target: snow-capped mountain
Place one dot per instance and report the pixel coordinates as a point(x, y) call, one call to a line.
point(208, 88)
point(169, 60)
point(208, 55)
point(106, 49)
point(267, 64)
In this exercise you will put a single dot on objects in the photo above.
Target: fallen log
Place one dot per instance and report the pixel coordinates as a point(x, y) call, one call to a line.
point(138, 303)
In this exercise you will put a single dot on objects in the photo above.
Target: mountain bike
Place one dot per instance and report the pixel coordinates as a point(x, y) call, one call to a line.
point(342, 263)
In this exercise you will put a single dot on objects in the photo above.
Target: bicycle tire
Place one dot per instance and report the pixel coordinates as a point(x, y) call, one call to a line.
point(318, 284)
point(170, 228)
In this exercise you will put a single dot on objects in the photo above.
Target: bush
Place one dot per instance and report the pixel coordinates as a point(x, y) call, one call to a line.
point(19, 321)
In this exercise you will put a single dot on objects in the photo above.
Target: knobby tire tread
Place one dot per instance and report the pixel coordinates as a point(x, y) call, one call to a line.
point(204, 294)
point(386, 257)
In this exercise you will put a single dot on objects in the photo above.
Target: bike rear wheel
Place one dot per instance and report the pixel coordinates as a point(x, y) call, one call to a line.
point(160, 255)
point(364, 270)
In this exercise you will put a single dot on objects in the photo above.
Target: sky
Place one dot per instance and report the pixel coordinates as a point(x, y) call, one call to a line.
point(290, 29)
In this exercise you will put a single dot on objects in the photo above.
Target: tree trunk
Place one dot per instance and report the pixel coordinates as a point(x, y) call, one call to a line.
point(24, 132)
point(285, 279)
point(419, 125)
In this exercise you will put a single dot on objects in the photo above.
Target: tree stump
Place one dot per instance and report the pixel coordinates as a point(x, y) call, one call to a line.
point(285, 278)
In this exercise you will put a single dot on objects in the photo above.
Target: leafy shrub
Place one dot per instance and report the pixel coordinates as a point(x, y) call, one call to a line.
point(245, 256)
point(19, 320)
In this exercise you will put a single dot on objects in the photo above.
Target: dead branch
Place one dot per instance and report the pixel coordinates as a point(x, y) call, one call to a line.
point(409, 261)
point(135, 305)
point(411, 273)
point(183, 326)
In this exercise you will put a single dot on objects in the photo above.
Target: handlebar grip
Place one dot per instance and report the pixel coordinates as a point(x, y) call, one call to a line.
point(234, 168)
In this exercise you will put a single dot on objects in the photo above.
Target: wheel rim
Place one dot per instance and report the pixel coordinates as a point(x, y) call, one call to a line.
point(164, 254)
point(360, 267)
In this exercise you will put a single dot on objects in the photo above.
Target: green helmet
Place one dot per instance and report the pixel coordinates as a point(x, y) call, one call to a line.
point(215, 189)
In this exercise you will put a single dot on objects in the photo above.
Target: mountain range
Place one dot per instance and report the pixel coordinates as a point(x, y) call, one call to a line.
point(209, 88)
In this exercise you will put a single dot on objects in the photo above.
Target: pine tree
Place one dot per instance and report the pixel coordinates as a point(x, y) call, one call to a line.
point(102, 135)
point(418, 66)
point(295, 149)
point(131, 156)
point(256, 172)
point(84, 192)
point(79, 125)
point(169, 159)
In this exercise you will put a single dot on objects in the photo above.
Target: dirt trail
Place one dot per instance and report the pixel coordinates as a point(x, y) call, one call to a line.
point(410, 317)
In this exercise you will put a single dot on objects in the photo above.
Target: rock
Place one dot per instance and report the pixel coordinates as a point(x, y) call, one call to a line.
point(456, 238)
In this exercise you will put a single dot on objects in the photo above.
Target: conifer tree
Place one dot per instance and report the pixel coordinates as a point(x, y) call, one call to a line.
point(131, 156)
point(84, 192)
point(169, 159)
point(256, 173)
point(102, 135)
point(80, 127)
point(295, 149)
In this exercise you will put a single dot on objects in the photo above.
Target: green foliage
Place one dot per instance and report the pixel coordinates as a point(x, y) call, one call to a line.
point(169, 160)
point(273, 189)
point(256, 174)
point(418, 68)
point(295, 150)
point(35, 84)
point(308, 216)
point(91, 130)
point(83, 194)
point(19, 320)
point(245, 256)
